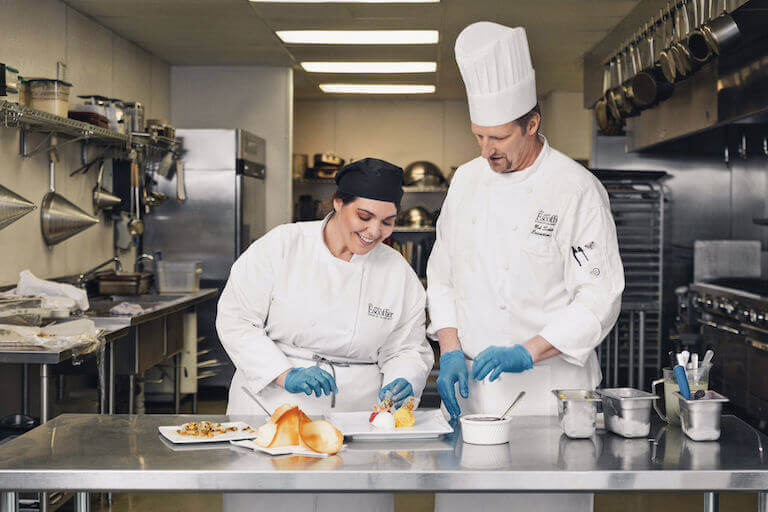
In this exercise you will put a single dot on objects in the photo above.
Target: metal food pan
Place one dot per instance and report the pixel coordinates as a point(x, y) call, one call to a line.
point(700, 419)
point(627, 411)
point(577, 411)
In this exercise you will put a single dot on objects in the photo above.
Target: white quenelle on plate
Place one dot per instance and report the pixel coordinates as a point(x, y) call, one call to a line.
point(430, 424)
point(242, 431)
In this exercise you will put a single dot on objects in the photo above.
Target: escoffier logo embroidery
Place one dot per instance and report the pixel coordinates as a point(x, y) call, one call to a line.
point(378, 312)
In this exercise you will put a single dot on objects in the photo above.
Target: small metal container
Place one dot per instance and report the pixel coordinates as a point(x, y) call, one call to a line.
point(700, 419)
point(627, 411)
point(124, 284)
point(577, 411)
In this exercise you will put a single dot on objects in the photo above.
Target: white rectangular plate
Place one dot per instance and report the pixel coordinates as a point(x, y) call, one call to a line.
point(430, 423)
point(284, 450)
point(169, 432)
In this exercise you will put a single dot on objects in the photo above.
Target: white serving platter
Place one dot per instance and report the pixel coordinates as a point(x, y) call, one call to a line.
point(430, 424)
point(283, 450)
point(170, 433)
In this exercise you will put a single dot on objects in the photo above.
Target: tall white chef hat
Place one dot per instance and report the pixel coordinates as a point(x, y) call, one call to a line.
point(495, 64)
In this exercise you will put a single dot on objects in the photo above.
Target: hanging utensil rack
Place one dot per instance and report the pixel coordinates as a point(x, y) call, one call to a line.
point(28, 120)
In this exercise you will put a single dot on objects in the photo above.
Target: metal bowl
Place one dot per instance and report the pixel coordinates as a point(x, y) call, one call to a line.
point(423, 173)
point(417, 217)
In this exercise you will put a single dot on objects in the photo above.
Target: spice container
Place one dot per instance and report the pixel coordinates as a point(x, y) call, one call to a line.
point(700, 418)
point(49, 95)
point(577, 411)
point(627, 411)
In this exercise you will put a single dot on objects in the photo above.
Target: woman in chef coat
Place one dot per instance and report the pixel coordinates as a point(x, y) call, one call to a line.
point(323, 315)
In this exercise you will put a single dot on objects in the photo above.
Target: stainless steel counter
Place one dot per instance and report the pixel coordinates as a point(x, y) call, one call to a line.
point(155, 306)
point(40, 355)
point(126, 453)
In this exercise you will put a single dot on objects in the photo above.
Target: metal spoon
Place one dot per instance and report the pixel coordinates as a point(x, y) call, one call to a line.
point(253, 397)
point(503, 416)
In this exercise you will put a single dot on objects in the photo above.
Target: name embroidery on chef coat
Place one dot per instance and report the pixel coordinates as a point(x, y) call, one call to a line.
point(545, 224)
point(376, 311)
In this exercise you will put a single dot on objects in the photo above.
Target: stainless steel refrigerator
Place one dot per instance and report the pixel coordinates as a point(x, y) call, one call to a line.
point(224, 176)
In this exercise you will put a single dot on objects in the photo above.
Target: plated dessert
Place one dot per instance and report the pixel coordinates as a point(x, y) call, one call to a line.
point(289, 426)
point(384, 417)
point(209, 429)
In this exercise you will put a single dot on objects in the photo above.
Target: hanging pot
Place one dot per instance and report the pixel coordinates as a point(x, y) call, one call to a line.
point(650, 86)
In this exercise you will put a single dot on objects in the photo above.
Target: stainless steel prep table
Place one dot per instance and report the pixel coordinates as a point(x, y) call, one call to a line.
point(116, 327)
point(93, 453)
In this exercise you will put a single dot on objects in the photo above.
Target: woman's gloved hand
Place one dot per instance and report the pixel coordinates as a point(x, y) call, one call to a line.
point(496, 360)
point(453, 369)
point(400, 390)
point(307, 380)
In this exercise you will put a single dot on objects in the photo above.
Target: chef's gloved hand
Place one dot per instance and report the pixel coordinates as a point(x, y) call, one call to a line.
point(496, 360)
point(400, 389)
point(307, 380)
point(453, 369)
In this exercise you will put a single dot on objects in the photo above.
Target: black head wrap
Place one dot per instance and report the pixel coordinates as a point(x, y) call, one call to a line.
point(373, 179)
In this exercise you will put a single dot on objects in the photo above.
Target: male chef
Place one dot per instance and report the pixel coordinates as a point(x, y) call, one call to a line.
point(525, 278)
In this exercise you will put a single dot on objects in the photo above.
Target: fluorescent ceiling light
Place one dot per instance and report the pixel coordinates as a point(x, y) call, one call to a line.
point(358, 36)
point(345, 1)
point(370, 67)
point(377, 89)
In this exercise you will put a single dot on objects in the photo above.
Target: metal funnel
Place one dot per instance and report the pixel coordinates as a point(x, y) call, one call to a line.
point(12, 207)
point(60, 219)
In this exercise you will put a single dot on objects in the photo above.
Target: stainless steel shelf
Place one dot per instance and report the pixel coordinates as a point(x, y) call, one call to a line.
point(407, 190)
point(406, 229)
point(416, 189)
point(13, 115)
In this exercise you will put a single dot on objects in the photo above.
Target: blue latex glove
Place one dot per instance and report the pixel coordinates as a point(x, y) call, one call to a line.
point(307, 380)
point(400, 389)
point(453, 369)
point(496, 360)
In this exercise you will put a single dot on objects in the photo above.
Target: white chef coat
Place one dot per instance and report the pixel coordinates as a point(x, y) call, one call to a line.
point(506, 266)
point(288, 301)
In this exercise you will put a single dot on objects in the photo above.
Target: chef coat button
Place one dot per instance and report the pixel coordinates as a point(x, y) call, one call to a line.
point(474, 220)
point(503, 306)
point(506, 266)
point(514, 227)
point(529, 190)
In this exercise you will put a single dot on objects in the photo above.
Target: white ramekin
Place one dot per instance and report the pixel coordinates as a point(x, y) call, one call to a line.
point(485, 432)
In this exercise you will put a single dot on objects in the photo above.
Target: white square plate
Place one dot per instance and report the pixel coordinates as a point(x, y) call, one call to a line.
point(283, 450)
point(430, 423)
point(170, 433)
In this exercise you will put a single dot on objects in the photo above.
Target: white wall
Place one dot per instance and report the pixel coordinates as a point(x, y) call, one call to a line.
point(399, 131)
point(567, 124)
point(255, 98)
point(402, 131)
point(34, 35)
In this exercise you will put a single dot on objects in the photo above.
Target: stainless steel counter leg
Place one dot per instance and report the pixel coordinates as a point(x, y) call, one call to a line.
point(9, 502)
point(25, 389)
point(615, 382)
point(44, 403)
point(711, 502)
point(641, 350)
point(762, 502)
point(102, 371)
point(631, 353)
point(131, 393)
point(608, 341)
point(82, 502)
point(194, 405)
point(176, 383)
point(111, 384)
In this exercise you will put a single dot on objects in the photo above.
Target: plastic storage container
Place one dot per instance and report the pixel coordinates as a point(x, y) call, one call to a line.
point(49, 95)
point(178, 276)
point(700, 419)
point(577, 411)
point(627, 411)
